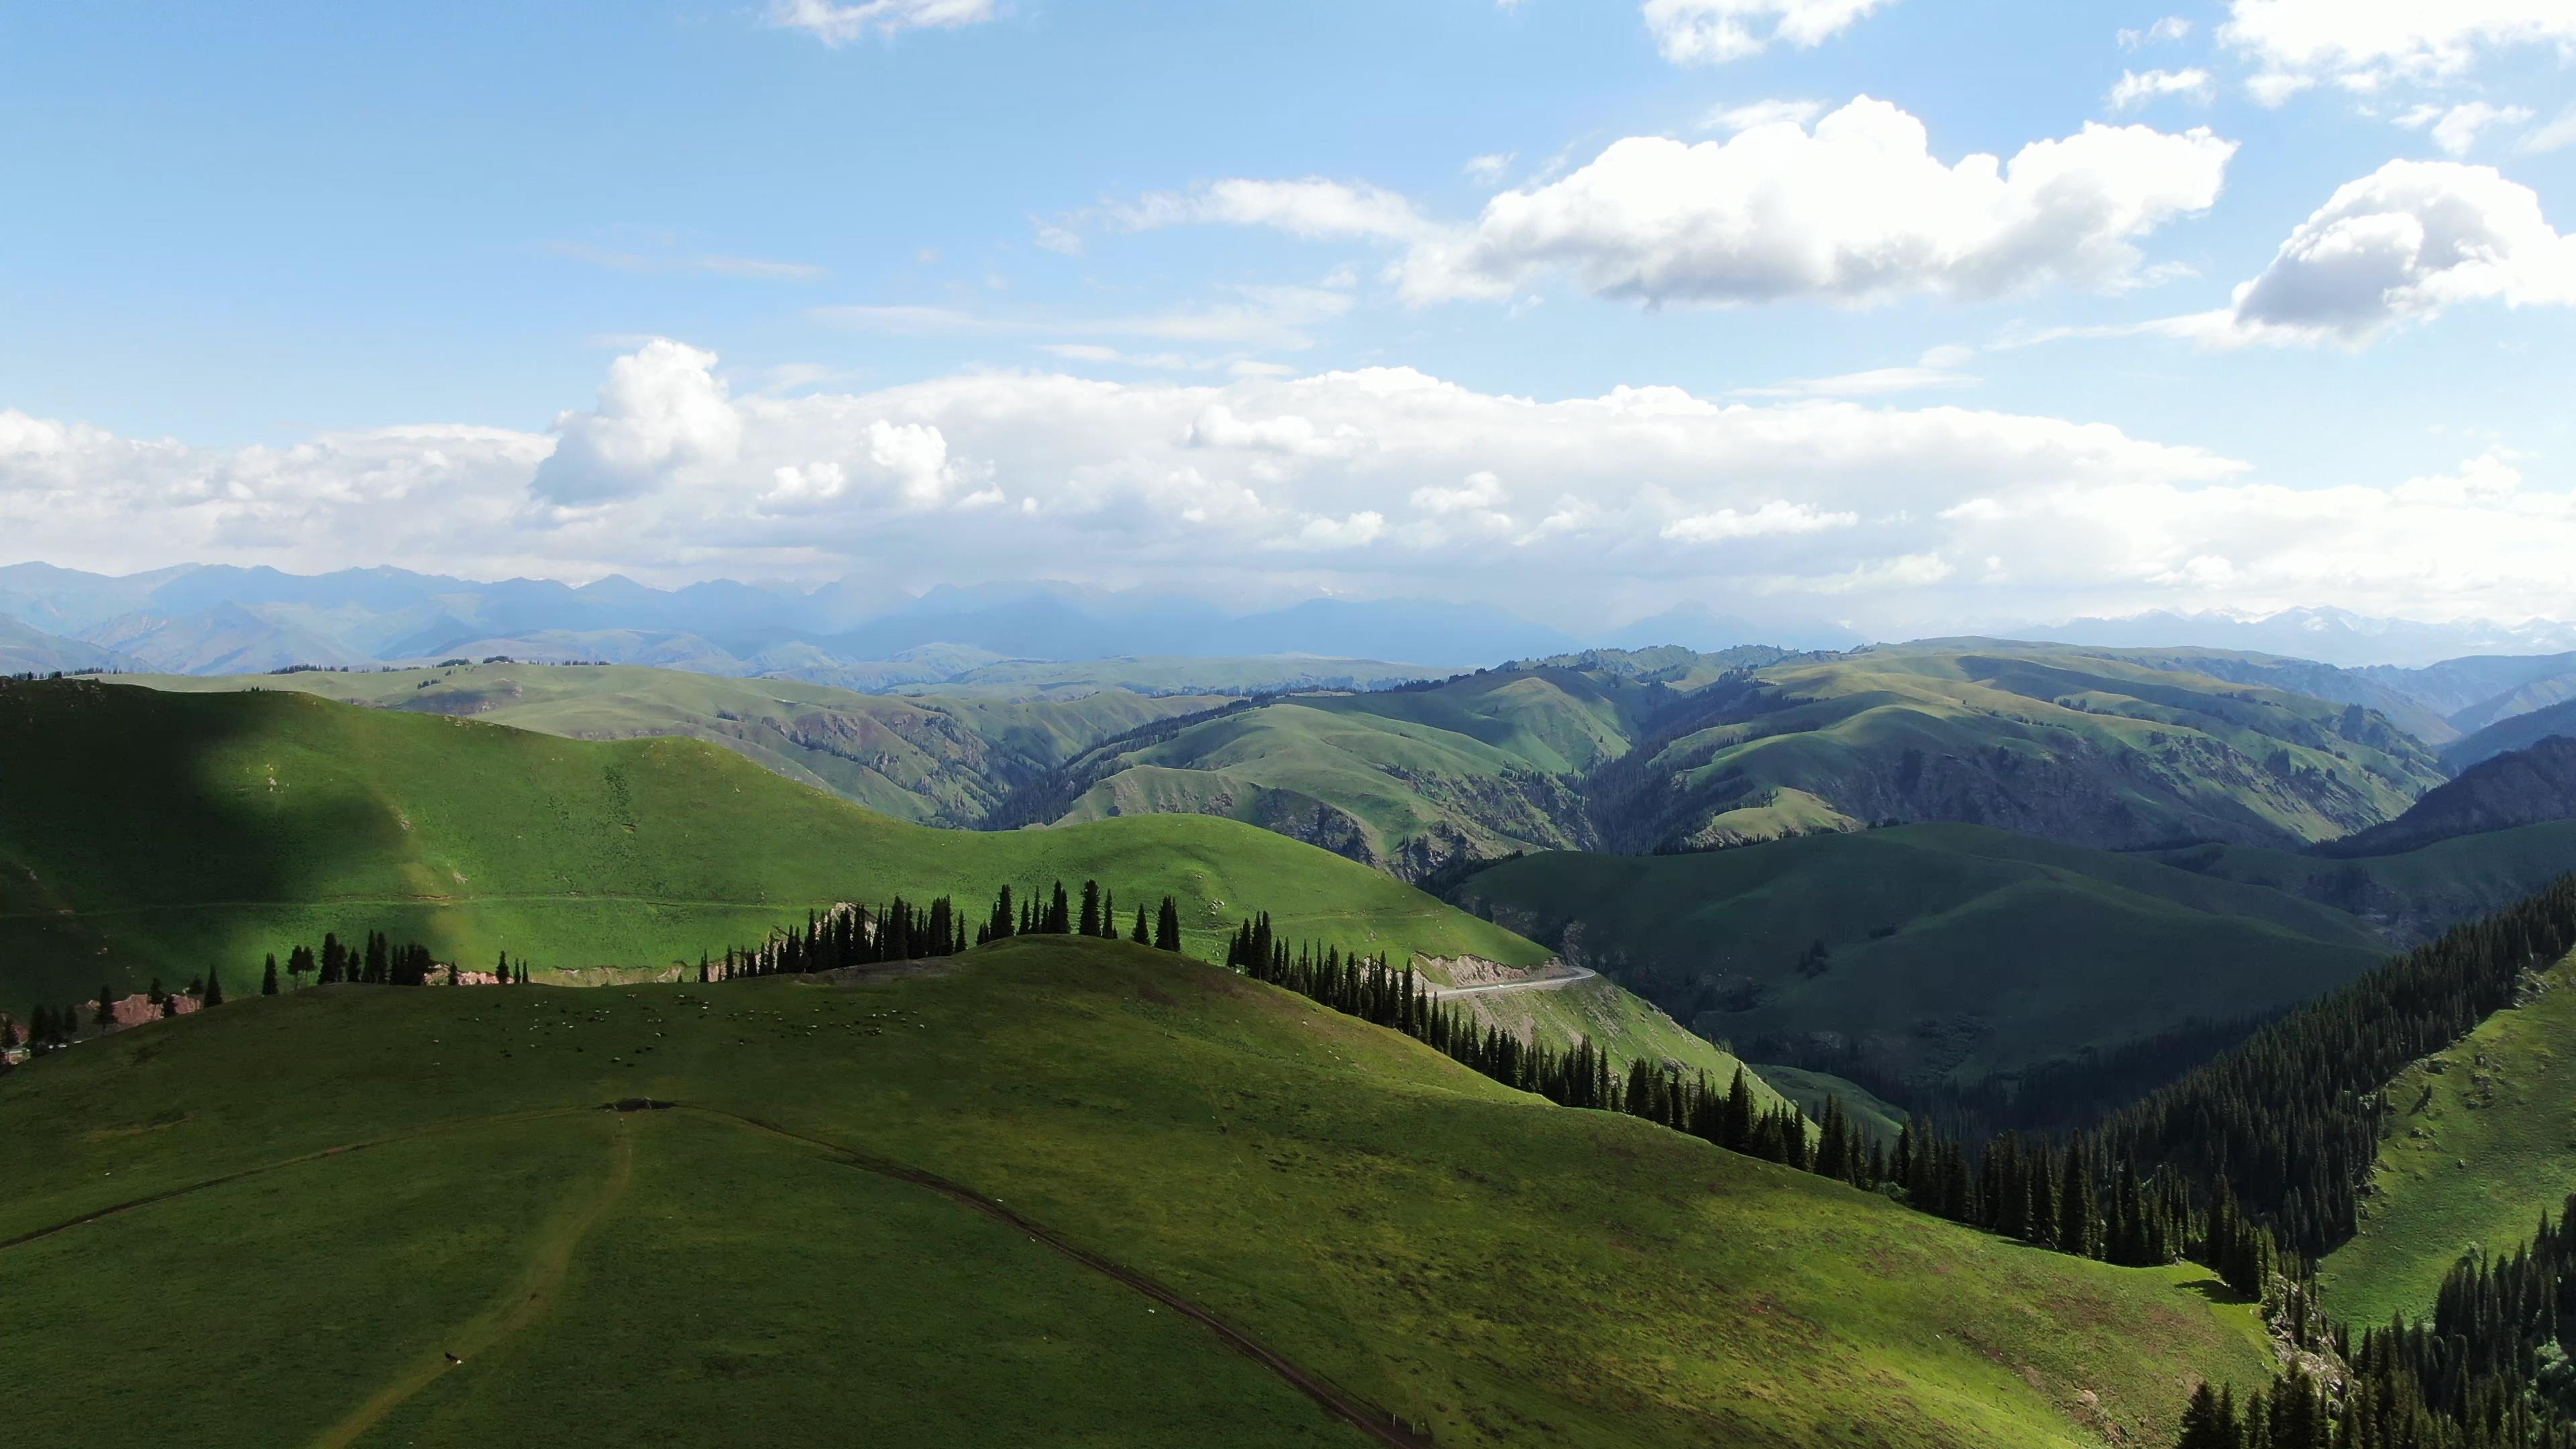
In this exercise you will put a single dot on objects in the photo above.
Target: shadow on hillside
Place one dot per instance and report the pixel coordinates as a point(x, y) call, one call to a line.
point(125, 807)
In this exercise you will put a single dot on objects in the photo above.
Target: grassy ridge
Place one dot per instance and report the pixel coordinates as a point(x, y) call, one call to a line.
point(148, 833)
point(158, 834)
point(937, 761)
point(2412, 896)
point(1507, 1272)
point(2478, 1152)
point(1949, 949)
point(2065, 744)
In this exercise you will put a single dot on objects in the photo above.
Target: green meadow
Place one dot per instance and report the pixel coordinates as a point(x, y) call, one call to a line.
point(327, 1193)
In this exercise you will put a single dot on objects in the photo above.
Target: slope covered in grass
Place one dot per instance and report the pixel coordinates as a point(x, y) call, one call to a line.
point(2410, 896)
point(938, 761)
point(1463, 1256)
point(2085, 747)
point(2520, 732)
point(1946, 950)
point(158, 834)
point(2480, 1147)
point(148, 833)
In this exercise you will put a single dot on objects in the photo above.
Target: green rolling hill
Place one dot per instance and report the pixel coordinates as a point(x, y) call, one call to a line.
point(2520, 732)
point(2085, 747)
point(2478, 1149)
point(2410, 896)
point(982, 1206)
point(1927, 952)
point(937, 761)
point(1629, 751)
point(150, 834)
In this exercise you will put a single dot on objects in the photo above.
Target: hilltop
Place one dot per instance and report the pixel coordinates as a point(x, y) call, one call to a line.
point(157, 835)
point(2525, 787)
point(794, 1250)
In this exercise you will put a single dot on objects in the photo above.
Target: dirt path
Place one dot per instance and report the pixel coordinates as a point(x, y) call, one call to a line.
point(1543, 983)
point(230, 1177)
point(1378, 1424)
point(527, 1297)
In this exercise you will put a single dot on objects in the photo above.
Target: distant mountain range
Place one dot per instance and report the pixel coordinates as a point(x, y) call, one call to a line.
point(217, 619)
point(2330, 636)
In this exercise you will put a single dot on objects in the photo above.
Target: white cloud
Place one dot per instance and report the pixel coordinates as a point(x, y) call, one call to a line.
point(1488, 169)
point(2455, 129)
point(2557, 135)
point(1709, 32)
point(1374, 481)
point(2170, 28)
point(1482, 492)
point(839, 24)
point(2400, 245)
point(661, 410)
point(1854, 211)
point(2136, 88)
point(1732, 119)
point(1063, 241)
point(2364, 45)
point(1313, 207)
point(1775, 517)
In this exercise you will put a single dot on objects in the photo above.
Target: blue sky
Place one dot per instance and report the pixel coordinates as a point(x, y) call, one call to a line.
point(1240, 298)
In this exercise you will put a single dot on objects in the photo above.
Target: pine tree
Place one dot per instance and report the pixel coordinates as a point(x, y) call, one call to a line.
point(106, 1016)
point(2201, 1426)
point(1143, 935)
point(268, 978)
point(1090, 924)
point(1167, 927)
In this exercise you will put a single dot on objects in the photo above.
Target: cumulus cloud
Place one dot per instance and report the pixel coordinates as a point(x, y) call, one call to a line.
point(2170, 28)
point(2399, 245)
point(2455, 128)
point(839, 24)
point(1856, 210)
point(1374, 481)
point(1710, 32)
point(662, 410)
point(2137, 88)
point(1775, 517)
point(2364, 45)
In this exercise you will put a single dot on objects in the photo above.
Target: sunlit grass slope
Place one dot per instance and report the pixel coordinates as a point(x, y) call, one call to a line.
point(2042, 739)
point(152, 834)
point(1504, 1271)
point(2483, 1143)
point(1947, 948)
point(938, 761)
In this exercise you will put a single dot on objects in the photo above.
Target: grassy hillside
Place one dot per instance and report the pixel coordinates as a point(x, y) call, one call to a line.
point(2411, 896)
point(157, 834)
point(1948, 950)
point(1405, 780)
point(938, 761)
point(149, 833)
point(2479, 1151)
point(1502, 1271)
point(2521, 732)
point(2527, 787)
point(2079, 746)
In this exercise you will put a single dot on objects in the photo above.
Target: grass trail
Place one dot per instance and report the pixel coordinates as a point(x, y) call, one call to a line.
point(525, 1299)
point(1377, 1423)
